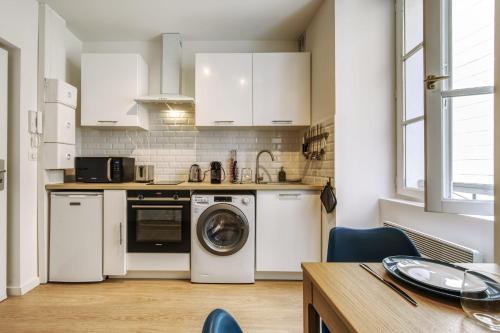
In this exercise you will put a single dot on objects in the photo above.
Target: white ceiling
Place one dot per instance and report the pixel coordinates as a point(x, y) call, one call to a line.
point(137, 20)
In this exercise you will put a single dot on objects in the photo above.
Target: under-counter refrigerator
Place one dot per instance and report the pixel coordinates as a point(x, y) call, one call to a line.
point(76, 224)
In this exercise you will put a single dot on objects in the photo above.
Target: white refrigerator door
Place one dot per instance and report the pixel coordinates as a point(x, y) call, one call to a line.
point(76, 237)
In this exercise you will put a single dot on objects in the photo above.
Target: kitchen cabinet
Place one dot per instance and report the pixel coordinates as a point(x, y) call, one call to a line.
point(224, 89)
point(288, 230)
point(282, 89)
point(57, 156)
point(110, 83)
point(59, 124)
point(115, 232)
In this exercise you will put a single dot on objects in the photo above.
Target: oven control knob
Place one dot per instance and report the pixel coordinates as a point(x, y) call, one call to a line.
point(245, 201)
point(175, 196)
point(140, 197)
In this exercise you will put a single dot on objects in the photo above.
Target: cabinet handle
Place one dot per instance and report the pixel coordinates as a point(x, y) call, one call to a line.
point(121, 234)
point(289, 195)
point(223, 121)
point(107, 121)
point(157, 207)
point(282, 121)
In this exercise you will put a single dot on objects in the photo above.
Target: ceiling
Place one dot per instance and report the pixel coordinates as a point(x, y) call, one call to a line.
point(140, 20)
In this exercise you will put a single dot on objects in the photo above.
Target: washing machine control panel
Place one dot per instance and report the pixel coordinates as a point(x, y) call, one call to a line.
point(201, 200)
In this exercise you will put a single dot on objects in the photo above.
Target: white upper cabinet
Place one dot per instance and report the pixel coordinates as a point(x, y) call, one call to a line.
point(282, 89)
point(110, 83)
point(224, 89)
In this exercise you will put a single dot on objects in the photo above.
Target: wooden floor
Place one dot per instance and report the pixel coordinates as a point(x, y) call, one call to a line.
point(152, 306)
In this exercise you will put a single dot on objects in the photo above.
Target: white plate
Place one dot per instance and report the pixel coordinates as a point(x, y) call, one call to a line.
point(438, 276)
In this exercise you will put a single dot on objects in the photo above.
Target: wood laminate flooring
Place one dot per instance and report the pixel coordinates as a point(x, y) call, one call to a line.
point(152, 306)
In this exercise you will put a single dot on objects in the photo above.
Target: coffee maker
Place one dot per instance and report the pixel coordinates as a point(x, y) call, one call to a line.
point(216, 172)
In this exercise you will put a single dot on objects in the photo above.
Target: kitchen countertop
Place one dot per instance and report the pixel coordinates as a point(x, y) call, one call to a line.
point(182, 186)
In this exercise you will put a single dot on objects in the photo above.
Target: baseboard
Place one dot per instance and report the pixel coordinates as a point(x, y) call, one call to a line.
point(293, 276)
point(25, 288)
point(154, 275)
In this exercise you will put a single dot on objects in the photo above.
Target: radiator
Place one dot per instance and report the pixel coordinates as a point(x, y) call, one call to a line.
point(437, 248)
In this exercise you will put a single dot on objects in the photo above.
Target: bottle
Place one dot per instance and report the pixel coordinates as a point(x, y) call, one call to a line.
point(282, 175)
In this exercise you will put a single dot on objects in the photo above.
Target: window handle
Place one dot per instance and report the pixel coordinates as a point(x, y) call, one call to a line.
point(432, 79)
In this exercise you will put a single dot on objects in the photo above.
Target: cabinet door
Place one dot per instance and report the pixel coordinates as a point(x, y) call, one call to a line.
point(110, 83)
point(288, 230)
point(115, 232)
point(224, 89)
point(281, 89)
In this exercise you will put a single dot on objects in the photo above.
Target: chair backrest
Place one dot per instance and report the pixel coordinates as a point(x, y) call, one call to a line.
point(368, 245)
point(220, 321)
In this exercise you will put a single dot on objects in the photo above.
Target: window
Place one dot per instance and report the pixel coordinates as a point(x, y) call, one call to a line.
point(445, 107)
point(410, 97)
point(459, 105)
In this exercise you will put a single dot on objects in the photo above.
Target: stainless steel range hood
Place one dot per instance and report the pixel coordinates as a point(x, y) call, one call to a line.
point(170, 73)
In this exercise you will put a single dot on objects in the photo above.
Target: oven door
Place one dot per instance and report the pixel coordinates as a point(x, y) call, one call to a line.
point(159, 226)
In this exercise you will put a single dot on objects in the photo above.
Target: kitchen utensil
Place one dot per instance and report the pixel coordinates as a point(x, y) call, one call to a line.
point(438, 276)
point(390, 264)
point(328, 197)
point(195, 174)
point(144, 173)
point(477, 306)
point(390, 285)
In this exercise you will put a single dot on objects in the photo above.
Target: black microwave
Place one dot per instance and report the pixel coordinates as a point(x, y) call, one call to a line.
point(104, 169)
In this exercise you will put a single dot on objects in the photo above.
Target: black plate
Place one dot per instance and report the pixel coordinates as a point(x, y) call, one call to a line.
point(390, 264)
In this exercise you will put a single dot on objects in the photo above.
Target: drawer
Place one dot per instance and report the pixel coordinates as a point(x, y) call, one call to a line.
point(58, 156)
point(59, 124)
point(57, 91)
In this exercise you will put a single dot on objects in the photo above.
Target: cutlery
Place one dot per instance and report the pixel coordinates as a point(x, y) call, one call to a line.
point(390, 284)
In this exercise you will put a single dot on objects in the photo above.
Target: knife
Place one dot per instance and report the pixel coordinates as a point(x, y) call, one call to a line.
point(390, 284)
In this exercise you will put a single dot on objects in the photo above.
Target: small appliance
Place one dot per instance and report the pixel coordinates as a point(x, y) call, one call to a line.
point(195, 174)
point(104, 169)
point(144, 173)
point(216, 171)
point(159, 221)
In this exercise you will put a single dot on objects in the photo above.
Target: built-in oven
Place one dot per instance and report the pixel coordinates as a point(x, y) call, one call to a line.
point(159, 221)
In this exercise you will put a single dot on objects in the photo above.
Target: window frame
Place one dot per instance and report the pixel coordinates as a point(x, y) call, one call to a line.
point(402, 190)
point(438, 125)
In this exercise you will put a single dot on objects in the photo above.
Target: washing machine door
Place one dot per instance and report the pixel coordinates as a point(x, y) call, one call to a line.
point(222, 229)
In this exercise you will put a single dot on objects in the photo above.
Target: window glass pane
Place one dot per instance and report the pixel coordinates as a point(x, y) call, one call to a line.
point(414, 22)
point(414, 85)
point(414, 155)
point(472, 147)
point(472, 43)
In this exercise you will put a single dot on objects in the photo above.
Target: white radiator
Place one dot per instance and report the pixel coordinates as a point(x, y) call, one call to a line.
point(437, 248)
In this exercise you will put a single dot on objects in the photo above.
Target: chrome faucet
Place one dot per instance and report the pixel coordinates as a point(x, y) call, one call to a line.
point(258, 177)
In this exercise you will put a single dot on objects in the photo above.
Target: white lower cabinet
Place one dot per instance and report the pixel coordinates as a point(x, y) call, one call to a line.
point(288, 230)
point(115, 232)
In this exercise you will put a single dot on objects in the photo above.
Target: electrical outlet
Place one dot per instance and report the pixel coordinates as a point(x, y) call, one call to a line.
point(32, 156)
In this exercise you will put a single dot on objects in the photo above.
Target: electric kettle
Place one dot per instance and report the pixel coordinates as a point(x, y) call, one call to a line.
point(195, 174)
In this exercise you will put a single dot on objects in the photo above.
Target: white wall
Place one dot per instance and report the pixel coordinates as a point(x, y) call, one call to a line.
point(320, 41)
point(469, 231)
point(365, 109)
point(19, 32)
point(151, 52)
point(497, 131)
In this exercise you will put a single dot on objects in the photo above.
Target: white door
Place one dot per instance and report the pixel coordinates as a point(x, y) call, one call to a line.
point(224, 89)
point(3, 175)
point(282, 89)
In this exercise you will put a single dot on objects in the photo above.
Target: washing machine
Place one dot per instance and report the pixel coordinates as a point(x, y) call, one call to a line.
point(223, 237)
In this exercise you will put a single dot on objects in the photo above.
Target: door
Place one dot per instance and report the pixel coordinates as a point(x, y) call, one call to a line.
point(459, 69)
point(224, 89)
point(115, 233)
point(222, 229)
point(282, 89)
point(288, 230)
point(3, 173)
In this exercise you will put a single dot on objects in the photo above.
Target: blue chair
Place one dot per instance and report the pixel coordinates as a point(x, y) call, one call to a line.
point(220, 321)
point(367, 245)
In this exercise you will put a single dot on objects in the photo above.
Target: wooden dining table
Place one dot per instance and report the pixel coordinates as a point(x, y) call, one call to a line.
point(349, 299)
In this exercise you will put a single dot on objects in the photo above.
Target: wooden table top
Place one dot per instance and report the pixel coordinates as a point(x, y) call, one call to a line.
point(365, 304)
